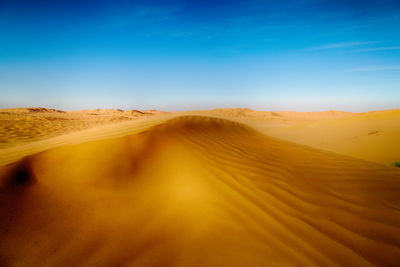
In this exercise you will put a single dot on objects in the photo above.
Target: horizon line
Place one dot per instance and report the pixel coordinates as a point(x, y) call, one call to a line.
point(189, 110)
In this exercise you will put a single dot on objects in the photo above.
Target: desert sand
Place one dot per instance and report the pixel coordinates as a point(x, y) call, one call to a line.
point(230, 187)
point(22, 125)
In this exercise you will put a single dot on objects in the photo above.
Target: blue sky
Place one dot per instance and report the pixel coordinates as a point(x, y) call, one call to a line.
point(304, 55)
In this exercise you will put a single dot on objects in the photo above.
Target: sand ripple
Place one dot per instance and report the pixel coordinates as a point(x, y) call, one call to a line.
point(197, 191)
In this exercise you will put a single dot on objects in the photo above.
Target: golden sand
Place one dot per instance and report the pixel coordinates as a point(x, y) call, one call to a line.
point(372, 136)
point(175, 190)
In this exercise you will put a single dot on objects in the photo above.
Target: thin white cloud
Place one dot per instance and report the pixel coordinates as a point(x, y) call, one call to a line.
point(374, 68)
point(342, 45)
point(373, 49)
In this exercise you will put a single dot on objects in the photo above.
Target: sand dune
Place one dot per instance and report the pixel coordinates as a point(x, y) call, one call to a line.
point(279, 115)
point(372, 136)
point(30, 110)
point(194, 191)
point(24, 125)
point(315, 115)
point(99, 111)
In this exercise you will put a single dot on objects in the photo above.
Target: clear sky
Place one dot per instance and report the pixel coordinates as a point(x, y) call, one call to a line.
point(304, 55)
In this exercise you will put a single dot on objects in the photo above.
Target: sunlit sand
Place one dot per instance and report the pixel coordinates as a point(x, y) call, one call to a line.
point(205, 188)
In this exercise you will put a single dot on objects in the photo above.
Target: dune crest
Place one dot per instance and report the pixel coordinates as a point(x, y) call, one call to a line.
point(197, 191)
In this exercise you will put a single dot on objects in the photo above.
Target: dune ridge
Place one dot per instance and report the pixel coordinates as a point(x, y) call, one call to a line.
point(197, 191)
point(371, 136)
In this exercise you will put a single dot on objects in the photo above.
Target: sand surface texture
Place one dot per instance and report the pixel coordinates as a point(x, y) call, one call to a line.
point(373, 136)
point(194, 191)
point(23, 125)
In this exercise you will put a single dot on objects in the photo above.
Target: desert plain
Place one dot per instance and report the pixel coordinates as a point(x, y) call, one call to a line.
point(222, 187)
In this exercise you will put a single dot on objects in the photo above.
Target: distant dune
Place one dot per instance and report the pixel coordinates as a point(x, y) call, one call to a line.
point(370, 136)
point(194, 191)
point(321, 114)
point(30, 110)
point(99, 111)
point(116, 112)
point(249, 113)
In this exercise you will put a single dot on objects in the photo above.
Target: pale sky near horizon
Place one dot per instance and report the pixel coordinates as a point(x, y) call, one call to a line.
point(305, 55)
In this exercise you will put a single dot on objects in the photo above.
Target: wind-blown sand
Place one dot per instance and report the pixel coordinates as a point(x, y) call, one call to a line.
point(193, 191)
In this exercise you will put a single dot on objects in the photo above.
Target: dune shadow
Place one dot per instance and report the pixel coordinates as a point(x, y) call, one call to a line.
point(18, 176)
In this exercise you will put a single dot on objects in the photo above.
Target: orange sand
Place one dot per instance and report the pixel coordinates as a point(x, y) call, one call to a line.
point(195, 191)
point(24, 125)
point(373, 136)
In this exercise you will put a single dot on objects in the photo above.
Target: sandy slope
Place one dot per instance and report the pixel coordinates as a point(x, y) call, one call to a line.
point(373, 136)
point(108, 130)
point(370, 136)
point(24, 125)
point(195, 191)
